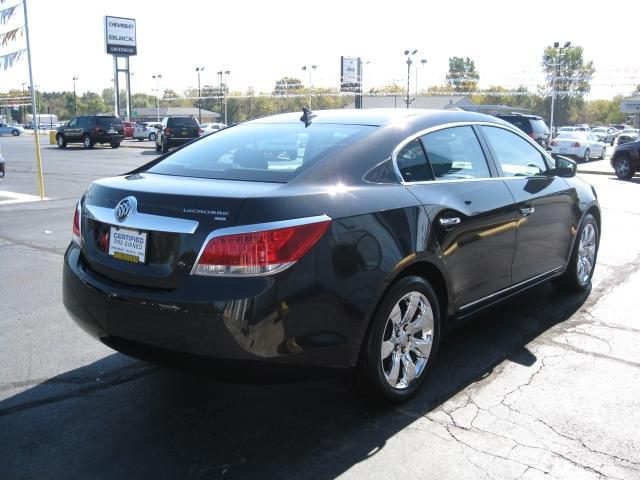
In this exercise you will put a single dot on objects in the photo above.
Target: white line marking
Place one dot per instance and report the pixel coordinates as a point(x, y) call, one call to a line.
point(18, 197)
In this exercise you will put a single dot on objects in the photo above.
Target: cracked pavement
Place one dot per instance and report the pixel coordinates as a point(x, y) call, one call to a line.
point(544, 386)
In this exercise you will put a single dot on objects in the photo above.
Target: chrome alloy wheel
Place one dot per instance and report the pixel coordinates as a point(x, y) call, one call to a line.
point(407, 340)
point(623, 167)
point(586, 253)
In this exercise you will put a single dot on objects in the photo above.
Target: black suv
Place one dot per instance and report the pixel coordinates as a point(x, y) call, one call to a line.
point(177, 131)
point(626, 159)
point(532, 125)
point(91, 129)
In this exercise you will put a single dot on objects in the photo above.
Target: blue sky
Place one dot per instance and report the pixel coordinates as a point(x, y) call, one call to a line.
point(260, 42)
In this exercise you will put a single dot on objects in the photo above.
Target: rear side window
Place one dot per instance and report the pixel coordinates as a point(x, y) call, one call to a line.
point(109, 122)
point(455, 153)
point(412, 163)
point(260, 152)
point(182, 122)
point(516, 156)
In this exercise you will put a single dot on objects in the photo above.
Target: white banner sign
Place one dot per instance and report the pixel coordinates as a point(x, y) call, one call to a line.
point(120, 36)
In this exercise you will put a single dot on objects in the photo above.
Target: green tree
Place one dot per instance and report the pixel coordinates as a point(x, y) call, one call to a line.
point(288, 85)
point(462, 75)
point(569, 76)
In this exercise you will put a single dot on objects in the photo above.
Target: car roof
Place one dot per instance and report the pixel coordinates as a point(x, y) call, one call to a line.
point(378, 117)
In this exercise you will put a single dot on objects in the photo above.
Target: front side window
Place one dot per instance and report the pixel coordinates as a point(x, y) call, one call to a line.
point(73, 122)
point(412, 163)
point(455, 153)
point(516, 156)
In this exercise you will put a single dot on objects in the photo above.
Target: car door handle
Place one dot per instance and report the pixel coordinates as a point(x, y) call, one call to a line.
point(527, 210)
point(449, 221)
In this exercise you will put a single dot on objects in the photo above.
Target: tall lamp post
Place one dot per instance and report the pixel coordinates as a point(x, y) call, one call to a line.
point(198, 70)
point(157, 79)
point(556, 63)
point(75, 103)
point(310, 68)
point(409, 54)
point(223, 90)
point(423, 62)
point(22, 119)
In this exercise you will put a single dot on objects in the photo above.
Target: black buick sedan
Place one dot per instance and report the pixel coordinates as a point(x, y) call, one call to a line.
point(346, 240)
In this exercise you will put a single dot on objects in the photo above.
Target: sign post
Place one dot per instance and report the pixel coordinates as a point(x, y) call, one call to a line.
point(351, 77)
point(121, 42)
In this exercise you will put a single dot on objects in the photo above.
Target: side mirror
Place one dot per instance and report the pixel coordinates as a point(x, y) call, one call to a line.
point(565, 167)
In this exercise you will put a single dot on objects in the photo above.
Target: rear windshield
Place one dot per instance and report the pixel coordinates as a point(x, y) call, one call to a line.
point(182, 122)
point(109, 121)
point(539, 126)
point(259, 152)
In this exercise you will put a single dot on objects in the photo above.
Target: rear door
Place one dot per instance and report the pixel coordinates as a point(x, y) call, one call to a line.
point(543, 204)
point(471, 210)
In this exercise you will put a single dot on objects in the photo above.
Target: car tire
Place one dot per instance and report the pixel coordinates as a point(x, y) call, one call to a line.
point(396, 358)
point(87, 142)
point(623, 167)
point(587, 154)
point(115, 144)
point(15, 133)
point(158, 147)
point(602, 153)
point(165, 146)
point(152, 137)
point(612, 142)
point(140, 139)
point(61, 141)
point(582, 263)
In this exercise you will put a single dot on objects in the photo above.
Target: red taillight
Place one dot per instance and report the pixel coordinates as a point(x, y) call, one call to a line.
point(575, 144)
point(97, 130)
point(553, 143)
point(167, 131)
point(77, 238)
point(261, 251)
point(200, 131)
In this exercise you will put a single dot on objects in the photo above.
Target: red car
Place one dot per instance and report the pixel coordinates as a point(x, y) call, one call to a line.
point(128, 129)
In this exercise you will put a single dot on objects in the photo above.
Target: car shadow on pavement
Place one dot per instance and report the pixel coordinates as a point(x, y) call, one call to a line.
point(121, 418)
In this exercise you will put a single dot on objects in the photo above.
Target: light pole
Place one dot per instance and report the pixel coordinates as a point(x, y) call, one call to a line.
point(409, 54)
point(198, 70)
point(223, 91)
point(75, 103)
point(423, 62)
point(310, 68)
point(556, 63)
point(23, 107)
point(157, 79)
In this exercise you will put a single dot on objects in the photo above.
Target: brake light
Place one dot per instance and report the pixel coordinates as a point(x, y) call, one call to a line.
point(553, 143)
point(77, 234)
point(575, 144)
point(97, 129)
point(259, 249)
point(167, 131)
point(200, 131)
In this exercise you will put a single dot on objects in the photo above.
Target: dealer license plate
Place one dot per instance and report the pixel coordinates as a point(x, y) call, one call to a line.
point(128, 245)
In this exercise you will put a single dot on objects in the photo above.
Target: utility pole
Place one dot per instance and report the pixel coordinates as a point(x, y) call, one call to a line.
point(198, 70)
point(75, 104)
point(409, 54)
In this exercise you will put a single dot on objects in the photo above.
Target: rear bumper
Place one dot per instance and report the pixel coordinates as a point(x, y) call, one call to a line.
point(190, 323)
point(176, 141)
point(108, 138)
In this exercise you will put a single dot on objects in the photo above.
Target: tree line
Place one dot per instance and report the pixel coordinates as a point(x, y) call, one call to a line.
point(567, 74)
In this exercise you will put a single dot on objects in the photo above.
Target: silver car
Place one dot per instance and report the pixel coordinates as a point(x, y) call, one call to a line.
point(146, 131)
point(6, 129)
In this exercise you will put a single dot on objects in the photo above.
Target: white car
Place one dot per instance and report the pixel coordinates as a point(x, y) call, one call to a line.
point(208, 128)
point(146, 131)
point(583, 145)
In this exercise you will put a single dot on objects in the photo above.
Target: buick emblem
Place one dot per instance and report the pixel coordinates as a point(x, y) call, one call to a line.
point(124, 207)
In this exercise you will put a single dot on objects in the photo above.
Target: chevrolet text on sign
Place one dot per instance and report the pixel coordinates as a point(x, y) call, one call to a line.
point(120, 35)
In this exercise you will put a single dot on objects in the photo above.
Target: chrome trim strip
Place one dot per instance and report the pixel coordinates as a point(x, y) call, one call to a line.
point(256, 227)
point(401, 145)
point(512, 287)
point(142, 221)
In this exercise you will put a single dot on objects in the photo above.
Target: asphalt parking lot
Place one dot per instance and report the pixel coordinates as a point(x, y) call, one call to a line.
point(545, 386)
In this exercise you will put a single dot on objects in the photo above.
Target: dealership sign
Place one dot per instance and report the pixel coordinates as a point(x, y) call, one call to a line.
point(120, 36)
point(350, 73)
point(630, 105)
